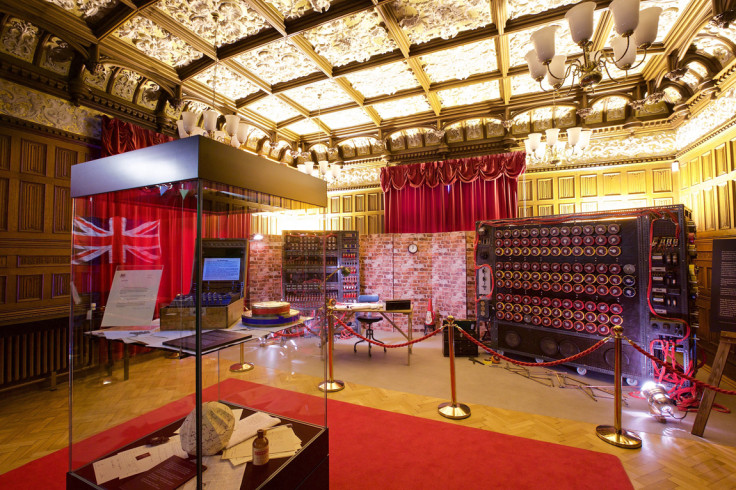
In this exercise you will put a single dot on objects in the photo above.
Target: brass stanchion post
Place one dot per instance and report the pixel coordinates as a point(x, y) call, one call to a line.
point(615, 434)
point(453, 410)
point(242, 366)
point(331, 385)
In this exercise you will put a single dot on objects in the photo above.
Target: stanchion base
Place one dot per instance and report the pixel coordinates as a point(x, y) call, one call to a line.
point(242, 367)
point(108, 380)
point(332, 386)
point(624, 438)
point(173, 355)
point(455, 411)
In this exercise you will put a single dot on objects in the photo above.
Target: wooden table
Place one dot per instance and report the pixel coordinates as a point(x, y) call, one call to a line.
point(351, 310)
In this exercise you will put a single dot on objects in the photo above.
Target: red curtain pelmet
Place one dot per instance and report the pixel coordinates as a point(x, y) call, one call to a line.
point(451, 195)
point(119, 136)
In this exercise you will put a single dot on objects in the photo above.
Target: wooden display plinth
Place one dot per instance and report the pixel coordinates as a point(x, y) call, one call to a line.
point(184, 318)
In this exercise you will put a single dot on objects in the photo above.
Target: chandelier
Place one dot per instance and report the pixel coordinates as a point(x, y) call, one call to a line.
point(553, 151)
point(324, 169)
point(635, 30)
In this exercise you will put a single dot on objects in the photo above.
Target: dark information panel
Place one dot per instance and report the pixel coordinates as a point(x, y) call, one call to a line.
point(723, 288)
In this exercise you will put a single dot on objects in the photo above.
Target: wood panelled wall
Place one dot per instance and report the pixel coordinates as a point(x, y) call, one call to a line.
point(35, 223)
point(596, 189)
point(707, 185)
point(360, 210)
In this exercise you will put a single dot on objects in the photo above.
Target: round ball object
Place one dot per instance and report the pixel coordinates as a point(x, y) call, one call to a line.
point(218, 423)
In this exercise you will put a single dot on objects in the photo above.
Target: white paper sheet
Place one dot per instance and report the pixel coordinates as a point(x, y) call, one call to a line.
point(248, 427)
point(132, 298)
point(219, 475)
point(282, 442)
point(136, 460)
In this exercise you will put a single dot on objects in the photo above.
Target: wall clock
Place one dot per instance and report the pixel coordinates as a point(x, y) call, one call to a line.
point(413, 248)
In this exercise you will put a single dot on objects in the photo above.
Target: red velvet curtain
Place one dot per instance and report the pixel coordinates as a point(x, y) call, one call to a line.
point(451, 195)
point(119, 136)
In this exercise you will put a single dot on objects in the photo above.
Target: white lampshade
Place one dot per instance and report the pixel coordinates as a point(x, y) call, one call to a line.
point(231, 124)
point(573, 136)
point(323, 166)
point(308, 167)
point(242, 133)
point(336, 170)
point(552, 135)
point(544, 43)
point(190, 121)
point(625, 16)
point(536, 69)
point(197, 131)
point(580, 19)
point(234, 141)
point(646, 32)
point(584, 138)
point(180, 126)
point(528, 147)
point(328, 174)
point(210, 120)
point(302, 168)
point(624, 52)
point(556, 71)
point(535, 139)
point(675, 166)
point(541, 150)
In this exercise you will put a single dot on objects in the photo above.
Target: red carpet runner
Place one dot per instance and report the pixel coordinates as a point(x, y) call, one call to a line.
point(372, 448)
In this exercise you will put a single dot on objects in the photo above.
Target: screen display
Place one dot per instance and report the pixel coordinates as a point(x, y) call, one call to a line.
point(221, 269)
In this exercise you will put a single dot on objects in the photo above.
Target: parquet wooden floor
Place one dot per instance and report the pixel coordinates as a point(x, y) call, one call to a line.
point(34, 422)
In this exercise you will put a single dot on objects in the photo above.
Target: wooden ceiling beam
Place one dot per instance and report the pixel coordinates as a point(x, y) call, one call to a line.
point(120, 14)
point(176, 28)
point(306, 48)
point(274, 18)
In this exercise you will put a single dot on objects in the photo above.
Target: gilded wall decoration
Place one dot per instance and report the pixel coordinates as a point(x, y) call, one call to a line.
point(479, 57)
point(30, 105)
point(353, 38)
point(98, 79)
point(469, 94)
point(89, 9)
point(413, 138)
point(273, 108)
point(402, 107)
point(494, 128)
point(125, 84)
point(57, 56)
point(347, 118)
point(319, 95)
point(718, 112)
point(236, 19)
point(277, 62)
point(424, 20)
point(474, 129)
point(672, 95)
point(629, 148)
point(19, 39)
point(157, 43)
point(383, 80)
point(173, 112)
point(148, 95)
point(455, 133)
point(227, 82)
point(715, 47)
point(292, 9)
point(353, 176)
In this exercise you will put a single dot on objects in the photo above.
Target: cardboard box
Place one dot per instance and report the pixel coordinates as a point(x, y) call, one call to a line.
point(184, 318)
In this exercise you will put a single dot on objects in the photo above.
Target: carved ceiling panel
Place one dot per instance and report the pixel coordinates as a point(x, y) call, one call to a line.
point(277, 62)
point(273, 108)
point(305, 126)
point(345, 119)
point(19, 38)
point(98, 79)
point(157, 43)
point(353, 38)
point(57, 56)
point(293, 9)
point(402, 107)
point(424, 20)
point(476, 58)
point(319, 95)
point(518, 8)
point(235, 19)
point(383, 80)
point(88, 9)
point(125, 83)
point(226, 82)
point(715, 47)
point(469, 94)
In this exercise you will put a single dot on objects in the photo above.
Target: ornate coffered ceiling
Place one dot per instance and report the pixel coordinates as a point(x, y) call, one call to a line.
point(300, 70)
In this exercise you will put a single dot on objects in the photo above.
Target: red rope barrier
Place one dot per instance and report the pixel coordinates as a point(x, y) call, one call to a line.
point(388, 346)
point(678, 373)
point(584, 353)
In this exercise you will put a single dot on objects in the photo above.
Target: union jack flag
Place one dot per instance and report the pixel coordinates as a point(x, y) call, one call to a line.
point(116, 241)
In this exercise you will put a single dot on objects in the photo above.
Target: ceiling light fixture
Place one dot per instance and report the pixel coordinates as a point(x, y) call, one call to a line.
point(635, 29)
point(553, 151)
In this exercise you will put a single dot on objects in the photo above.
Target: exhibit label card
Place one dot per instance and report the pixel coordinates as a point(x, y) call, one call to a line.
point(132, 299)
point(723, 286)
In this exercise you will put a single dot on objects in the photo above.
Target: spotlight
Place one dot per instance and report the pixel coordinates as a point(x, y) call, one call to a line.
point(660, 404)
point(256, 237)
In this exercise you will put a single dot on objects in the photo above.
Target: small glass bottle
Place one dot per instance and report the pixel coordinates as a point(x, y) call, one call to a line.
point(260, 449)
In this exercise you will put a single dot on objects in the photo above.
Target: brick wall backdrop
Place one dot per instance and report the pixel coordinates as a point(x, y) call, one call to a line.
point(442, 269)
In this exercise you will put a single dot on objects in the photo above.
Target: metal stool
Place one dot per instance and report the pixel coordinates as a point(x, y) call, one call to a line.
point(367, 319)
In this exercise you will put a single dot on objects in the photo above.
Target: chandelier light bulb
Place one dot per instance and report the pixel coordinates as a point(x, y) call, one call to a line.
point(336, 170)
point(323, 165)
point(573, 136)
point(646, 32)
point(544, 43)
point(535, 139)
point(190, 121)
point(210, 120)
point(552, 134)
point(536, 69)
point(242, 132)
point(308, 167)
point(580, 20)
point(183, 133)
point(556, 71)
point(625, 16)
point(231, 124)
point(585, 138)
point(302, 168)
point(624, 52)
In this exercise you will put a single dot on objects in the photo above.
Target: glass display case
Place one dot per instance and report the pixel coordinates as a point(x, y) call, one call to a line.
point(159, 278)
